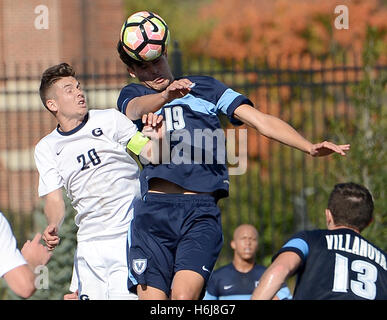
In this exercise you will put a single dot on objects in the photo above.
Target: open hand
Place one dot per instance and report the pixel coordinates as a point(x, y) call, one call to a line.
point(326, 148)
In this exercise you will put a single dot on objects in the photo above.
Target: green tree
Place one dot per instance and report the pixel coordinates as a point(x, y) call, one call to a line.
point(366, 163)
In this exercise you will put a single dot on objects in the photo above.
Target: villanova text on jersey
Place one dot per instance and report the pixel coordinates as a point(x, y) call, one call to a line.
point(356, 245)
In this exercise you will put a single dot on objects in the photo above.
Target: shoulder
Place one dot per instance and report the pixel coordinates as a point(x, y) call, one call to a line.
point(46, 143)
point(207, 88)
point(3, 220)
point(207, 83)
point(204, 80)
point(103, 115)
point(102, 112)
point(136, 89)
point(300, 243)
point(5, 228)
point(106, 115)
point(307, 235)
point(110, 120)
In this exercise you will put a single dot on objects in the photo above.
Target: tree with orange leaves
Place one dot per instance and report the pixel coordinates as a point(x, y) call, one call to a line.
point(255, 28)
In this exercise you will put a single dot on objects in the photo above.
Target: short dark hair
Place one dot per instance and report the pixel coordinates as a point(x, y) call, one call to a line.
point(125, 58)
point(351, 205)
point(52, 75)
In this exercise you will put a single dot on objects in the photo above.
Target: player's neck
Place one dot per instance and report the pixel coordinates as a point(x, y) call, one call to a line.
point(243, 266)
point(335, 227)
point(68, 124)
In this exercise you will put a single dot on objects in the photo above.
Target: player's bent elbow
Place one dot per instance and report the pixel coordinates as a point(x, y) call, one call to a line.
point(23, 288)
point(27, 291)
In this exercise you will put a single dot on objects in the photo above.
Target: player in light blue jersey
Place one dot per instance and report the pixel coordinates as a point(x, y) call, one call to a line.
point(237, 280)
point(336, 263)
point(176, 235)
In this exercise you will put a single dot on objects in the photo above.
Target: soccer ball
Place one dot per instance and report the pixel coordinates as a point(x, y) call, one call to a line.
point(144, 36)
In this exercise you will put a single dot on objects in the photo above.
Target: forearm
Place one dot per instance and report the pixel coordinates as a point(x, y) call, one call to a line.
point(270, 283)
point(275, 128)
point(145, 104)
point(272, 127)
point(21, 280)
point(54, 208)
point(285, 265)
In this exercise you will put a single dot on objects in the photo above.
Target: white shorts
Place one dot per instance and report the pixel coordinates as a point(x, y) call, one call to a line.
point(100, 270)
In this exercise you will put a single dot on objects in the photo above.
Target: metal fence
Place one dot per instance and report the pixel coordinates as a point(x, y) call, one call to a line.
point(283, 189)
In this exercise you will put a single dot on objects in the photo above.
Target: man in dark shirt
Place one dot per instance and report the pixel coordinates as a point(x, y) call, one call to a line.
point(333, 264)
point(237, 280)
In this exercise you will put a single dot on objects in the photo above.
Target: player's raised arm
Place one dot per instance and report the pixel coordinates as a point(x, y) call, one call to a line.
point(139, 106)
point(54, 210)
point(274, 128)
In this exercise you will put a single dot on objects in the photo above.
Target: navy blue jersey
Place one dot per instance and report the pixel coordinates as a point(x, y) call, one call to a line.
point(197, 155)
point(337, 264)
point(227, 283)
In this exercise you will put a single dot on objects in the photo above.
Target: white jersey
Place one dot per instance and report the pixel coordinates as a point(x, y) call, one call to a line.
point(100, 177)
point(10, 256)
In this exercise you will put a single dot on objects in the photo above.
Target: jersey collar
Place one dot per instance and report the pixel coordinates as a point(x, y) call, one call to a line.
point(76, 129)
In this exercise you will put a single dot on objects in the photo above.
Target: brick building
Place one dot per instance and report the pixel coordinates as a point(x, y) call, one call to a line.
point(33, 35)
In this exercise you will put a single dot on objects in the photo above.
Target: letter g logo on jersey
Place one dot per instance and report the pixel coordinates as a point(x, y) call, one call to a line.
point(139, 265)
point(97, 132)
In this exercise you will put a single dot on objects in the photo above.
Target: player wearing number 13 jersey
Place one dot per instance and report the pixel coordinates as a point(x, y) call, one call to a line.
point(333, 264)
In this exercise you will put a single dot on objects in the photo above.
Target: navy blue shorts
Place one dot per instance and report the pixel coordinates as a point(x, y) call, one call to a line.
point(172, 232)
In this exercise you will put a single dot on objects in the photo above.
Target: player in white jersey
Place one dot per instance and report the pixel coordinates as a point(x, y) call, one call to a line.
point(17, 268)
point(86, 154)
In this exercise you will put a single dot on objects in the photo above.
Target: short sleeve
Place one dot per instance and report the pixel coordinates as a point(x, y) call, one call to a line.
point(10, 256)
point(128, 93)
point(125, 128)
point(226, 100)
point(297, 244)
point(49, 178)
point(229, 101)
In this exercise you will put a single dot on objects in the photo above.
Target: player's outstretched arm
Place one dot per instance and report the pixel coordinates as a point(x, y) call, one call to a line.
point(274, 276)
point(274, 128)
point(139, 106)
point(54, 210)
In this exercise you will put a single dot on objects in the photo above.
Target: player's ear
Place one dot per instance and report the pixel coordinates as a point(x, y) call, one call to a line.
point(51, 105)
point(232, 244)
point(329, 218)
point(131, 72)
